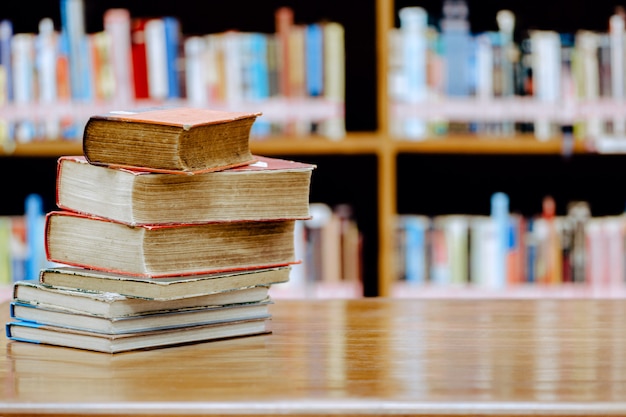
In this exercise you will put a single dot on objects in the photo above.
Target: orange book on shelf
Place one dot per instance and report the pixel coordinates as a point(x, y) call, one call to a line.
point(284, 22)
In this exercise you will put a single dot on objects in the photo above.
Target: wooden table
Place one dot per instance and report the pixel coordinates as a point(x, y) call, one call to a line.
point(355, 357)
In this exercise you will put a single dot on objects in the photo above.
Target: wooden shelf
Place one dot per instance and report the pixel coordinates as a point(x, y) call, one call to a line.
point(489, 145)
point(353, 144)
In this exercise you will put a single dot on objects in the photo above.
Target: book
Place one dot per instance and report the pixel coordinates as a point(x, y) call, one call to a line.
point(100, 342)
point(170, 139)
point(116, 23)
point(167, 250)
point(146, 297)
point(163, 288)
point(139, 58)
point(156, 58)
point(129, 196)
point(160, 320)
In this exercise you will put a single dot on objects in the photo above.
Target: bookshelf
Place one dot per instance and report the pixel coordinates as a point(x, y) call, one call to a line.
point(369, 168)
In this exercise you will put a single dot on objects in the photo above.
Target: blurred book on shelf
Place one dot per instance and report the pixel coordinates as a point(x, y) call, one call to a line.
point(540, 82)
point(53, 80)
point(575, 254)
point(330, 247)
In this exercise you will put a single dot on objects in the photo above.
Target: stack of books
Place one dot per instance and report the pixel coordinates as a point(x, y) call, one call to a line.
point(168, 231)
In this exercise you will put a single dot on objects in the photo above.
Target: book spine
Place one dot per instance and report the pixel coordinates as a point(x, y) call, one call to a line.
point(156, 58)
point(232, 47)
point(284, 20)
point(34, 213)
point(616, 33)
point(413, 24)
point(139, 58)
point(314, 42)
point(172, 48)
point(416, 229)
point(196, 93)
point(73, 23)
point(334, 78)
point(546, 51)
point(6, 36)
point(23, 63)
point(117, 24)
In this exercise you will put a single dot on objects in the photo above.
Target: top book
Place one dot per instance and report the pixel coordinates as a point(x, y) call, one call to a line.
point(182, 140)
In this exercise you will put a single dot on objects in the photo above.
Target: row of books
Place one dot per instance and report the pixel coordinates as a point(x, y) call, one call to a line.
point(53, 80)
point(504, 250)
point(168, 231)
point(329, 246)
point(444, 78)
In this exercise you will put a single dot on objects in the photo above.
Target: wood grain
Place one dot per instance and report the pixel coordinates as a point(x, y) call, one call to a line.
point(370, 356)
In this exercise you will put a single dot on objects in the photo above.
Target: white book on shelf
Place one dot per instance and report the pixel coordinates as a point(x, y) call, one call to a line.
point(334, 77)
point(413, 25)
point(23, 69)
point(616, 36)
point(231, 48)
point(546, 65)
point(587, 45)
point(46, 61)
point(156, 58)
point(196, 91)
point(117, 25)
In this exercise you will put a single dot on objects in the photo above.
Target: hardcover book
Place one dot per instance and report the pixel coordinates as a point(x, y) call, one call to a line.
point(108, 343)
point(161, 320)
point(183, 140)
point(176, 287)
point(109, 304)
point(269, 189)
point(167, 250)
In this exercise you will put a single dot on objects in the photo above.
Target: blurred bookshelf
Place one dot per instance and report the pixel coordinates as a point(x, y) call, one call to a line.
point(372, 164)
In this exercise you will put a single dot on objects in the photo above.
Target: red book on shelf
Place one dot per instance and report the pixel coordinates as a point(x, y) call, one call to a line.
point(167, 250)
point(139, 57)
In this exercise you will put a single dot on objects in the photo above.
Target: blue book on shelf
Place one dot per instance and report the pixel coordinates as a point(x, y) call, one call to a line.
point(500, 214)
point(35, 220)
point(6, 34)
point(172, 45)
point(314, 54)
point(73, 23)
point(257, 74)
point(415, 229)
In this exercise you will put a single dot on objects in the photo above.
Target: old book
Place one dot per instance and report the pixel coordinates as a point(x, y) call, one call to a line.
point(160, 320)
point(167, 250)
point(109, 304)
point(170, 139)
point(269, 189)
point(162, 288)
point(100, 342)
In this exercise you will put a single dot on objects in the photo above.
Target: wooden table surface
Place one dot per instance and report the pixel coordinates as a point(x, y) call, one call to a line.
point(353, 357)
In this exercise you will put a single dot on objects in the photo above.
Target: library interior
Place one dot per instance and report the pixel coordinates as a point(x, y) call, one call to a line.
point(441, 237)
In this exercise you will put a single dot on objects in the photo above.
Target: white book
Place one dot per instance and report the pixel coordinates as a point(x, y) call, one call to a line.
point(546, 65)
point(413, 24)
point(117, 25)
point(231, 44)
point(23, 70)
point(194, 47)
point(587, 45)
point(46, 61)
point(616, 37)
point(156, 59)
point(334, 77)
